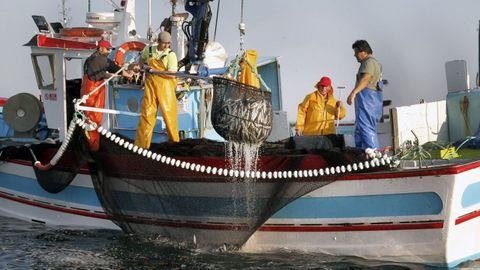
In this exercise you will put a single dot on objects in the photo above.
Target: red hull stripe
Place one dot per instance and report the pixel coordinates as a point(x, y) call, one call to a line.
point(138, 220)
point(44, 41)
point(55, 208)
point(188, 224)
point(353, 228)
point(467, 217)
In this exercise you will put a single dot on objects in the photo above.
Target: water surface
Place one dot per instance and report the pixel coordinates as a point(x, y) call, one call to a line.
point(26, 245)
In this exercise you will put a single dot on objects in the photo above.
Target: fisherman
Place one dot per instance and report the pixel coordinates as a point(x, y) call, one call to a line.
point(367, 96)
point(97, 68)
point(319, 110)
point(159, 90)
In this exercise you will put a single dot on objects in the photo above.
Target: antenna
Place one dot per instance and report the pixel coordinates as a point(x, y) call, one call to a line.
point(65, 18)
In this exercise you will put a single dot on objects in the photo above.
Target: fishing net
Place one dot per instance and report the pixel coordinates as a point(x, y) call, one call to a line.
point(144, 196)
point(241, 113)
point(62, 174)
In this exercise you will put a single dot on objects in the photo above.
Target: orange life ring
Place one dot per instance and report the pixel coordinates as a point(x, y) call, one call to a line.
point(81, 32)
point(126, 47)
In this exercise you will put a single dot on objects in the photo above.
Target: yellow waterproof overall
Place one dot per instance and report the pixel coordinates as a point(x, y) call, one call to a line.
point(159, 90)
point(317, 115)
point(248, 76)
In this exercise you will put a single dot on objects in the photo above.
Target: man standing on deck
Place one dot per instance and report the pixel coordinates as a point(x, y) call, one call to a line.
point(159, 90)
point(367, 96)
point(96, 69)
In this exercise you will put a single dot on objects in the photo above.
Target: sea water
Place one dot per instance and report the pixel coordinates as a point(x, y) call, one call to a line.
point(26, 245)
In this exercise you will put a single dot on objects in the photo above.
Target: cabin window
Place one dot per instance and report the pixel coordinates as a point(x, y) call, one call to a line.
point(73, 68)
point(44, 71)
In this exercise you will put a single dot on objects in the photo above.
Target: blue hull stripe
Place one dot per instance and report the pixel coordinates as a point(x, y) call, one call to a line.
point(428, 203)
point(409, 204)
point(189, 206)
point(71, 194)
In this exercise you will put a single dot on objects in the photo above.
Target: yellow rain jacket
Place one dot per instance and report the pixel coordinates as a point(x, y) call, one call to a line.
point(316, 116)
point(159, 90)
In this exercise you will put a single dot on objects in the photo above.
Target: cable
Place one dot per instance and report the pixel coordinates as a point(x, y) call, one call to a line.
point(216, 22)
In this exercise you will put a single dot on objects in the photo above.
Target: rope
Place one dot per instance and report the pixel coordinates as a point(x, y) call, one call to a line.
point(216, 21)
point(234, 69)
point(86, 96)
point(109, 111)
point(60, 151)
point(376, 159)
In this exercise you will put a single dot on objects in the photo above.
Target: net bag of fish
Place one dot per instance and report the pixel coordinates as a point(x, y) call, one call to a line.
point(241, 113)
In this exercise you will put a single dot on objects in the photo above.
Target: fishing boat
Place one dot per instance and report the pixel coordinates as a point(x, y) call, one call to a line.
point(311, 194)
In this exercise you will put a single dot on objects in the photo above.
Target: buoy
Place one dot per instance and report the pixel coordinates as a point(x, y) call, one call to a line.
point(126, 47)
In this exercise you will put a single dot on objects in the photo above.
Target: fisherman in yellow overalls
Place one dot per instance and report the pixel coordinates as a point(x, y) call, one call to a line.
point(159, 90)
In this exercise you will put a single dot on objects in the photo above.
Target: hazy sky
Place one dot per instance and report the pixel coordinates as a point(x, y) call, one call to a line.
point(411, 38)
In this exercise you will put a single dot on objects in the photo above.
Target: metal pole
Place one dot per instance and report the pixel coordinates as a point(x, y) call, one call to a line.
point(149, 15)
point(241, 27)
point(340, 88)
point(202, 112)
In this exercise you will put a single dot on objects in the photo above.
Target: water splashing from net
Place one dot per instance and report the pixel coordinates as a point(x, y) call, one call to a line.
point(244, 156)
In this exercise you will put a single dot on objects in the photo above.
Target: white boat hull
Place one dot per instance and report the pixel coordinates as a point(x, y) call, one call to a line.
point(22, 197)
point(430, 217)
point(408, 234)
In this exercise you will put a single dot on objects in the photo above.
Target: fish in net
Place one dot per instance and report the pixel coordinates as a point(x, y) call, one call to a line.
point(241, 113)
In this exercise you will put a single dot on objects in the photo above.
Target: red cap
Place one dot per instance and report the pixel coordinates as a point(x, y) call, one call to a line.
point(324, 81)
point(104, 43)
